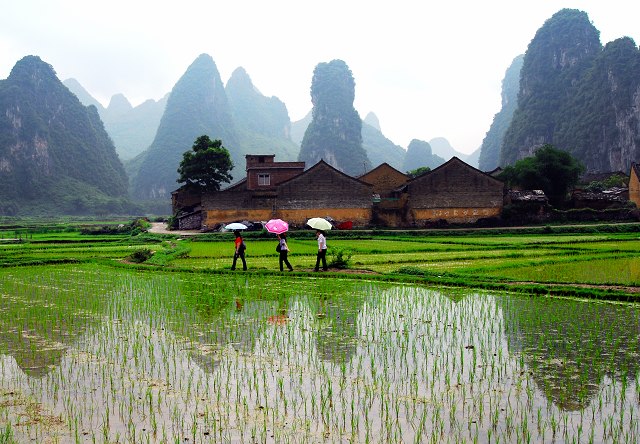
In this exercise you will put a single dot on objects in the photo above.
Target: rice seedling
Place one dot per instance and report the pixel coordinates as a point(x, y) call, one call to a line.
point(103, 351)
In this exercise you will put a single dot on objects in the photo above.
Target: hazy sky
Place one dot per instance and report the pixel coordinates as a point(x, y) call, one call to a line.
point(426, 69)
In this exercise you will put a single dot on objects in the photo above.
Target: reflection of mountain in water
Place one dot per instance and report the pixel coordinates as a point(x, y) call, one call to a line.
point(34, 354)
point(51, 310)
point(336, 328)
point(569, 346)
point(454, 295)
point(218, 322)
point(48, 313)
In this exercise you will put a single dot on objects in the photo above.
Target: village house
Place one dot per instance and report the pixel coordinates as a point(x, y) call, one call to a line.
point(186, 205)
point(455, 192)
point(321, 191)
point(286, 191)
point(388, 203)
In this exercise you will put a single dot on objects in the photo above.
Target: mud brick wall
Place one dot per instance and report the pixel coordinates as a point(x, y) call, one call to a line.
point(324, 187)
point(385, 179)
point(323, 191)
point(237, 203)
point(455, 185)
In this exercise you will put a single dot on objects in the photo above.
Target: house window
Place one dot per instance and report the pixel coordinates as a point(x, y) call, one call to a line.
point(264, 180)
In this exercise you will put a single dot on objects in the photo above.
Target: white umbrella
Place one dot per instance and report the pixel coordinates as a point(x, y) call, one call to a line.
point(319, 223)
point(235, 226)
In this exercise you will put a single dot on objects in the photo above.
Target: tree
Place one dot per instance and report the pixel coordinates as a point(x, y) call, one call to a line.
point(551, 170)
point(206, 166)
point(418, 171)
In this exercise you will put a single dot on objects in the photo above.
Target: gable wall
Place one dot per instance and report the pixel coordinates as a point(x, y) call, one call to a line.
point(321, 192)
point(455, 192)
point(385, 180)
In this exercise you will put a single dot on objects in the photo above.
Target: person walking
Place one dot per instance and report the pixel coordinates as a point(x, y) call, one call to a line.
point(284, 252)
point(239, 252)
point(322, 251)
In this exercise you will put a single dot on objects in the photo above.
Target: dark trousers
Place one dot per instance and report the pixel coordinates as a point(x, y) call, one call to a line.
point(235, 258)
point(284, 260)
point(322, 256)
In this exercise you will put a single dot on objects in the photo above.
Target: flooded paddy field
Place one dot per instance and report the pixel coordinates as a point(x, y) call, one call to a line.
point(92, 352)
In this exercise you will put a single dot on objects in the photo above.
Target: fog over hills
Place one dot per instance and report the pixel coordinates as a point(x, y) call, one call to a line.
point(257, 124)
point(55, 155)
point(132, 129)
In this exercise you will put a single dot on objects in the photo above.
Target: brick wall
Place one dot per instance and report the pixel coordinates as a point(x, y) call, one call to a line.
point(455, 185)
point(278, 172)
point(385, 179)
point(322, 186)
point(237, 203)
point(324, 191)
point(456, 192)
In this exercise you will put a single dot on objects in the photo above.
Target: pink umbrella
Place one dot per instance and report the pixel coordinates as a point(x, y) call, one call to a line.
point(277, 226)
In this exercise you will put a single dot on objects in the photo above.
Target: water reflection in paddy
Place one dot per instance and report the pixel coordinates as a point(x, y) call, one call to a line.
point(92, 354)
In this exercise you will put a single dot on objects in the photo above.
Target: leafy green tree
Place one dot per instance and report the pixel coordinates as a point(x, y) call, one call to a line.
point(418, 171)
point(206, 166)
point(551, 170)
point(597, 186)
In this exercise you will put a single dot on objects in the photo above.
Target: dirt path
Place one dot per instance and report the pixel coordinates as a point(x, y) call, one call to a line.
point(161, 228)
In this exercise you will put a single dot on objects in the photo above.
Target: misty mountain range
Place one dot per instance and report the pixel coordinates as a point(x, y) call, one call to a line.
point(569, 91)
point(62, 151)
point(254, 124)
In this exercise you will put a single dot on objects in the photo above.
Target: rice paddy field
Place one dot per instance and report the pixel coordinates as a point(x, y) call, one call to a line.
point(434, 337)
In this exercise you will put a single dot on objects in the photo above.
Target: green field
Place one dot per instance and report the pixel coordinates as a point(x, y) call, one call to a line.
point(446, 336)
point(489, 261)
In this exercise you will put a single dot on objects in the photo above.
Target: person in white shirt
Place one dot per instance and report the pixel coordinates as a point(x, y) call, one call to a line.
point(322, 251)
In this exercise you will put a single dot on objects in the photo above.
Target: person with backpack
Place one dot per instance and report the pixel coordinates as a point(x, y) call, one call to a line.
point(283, 249)
point(239, 252)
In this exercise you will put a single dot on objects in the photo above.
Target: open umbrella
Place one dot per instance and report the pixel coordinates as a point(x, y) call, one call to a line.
point(277, 226)
point(235, 226)
point(319, 223)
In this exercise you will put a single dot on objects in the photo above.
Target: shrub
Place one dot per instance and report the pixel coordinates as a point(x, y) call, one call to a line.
point(140, 226)
point(340, 258)
point(140, 256)
point(172, 222)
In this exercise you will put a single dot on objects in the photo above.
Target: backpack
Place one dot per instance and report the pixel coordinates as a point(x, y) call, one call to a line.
point(242, 246)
